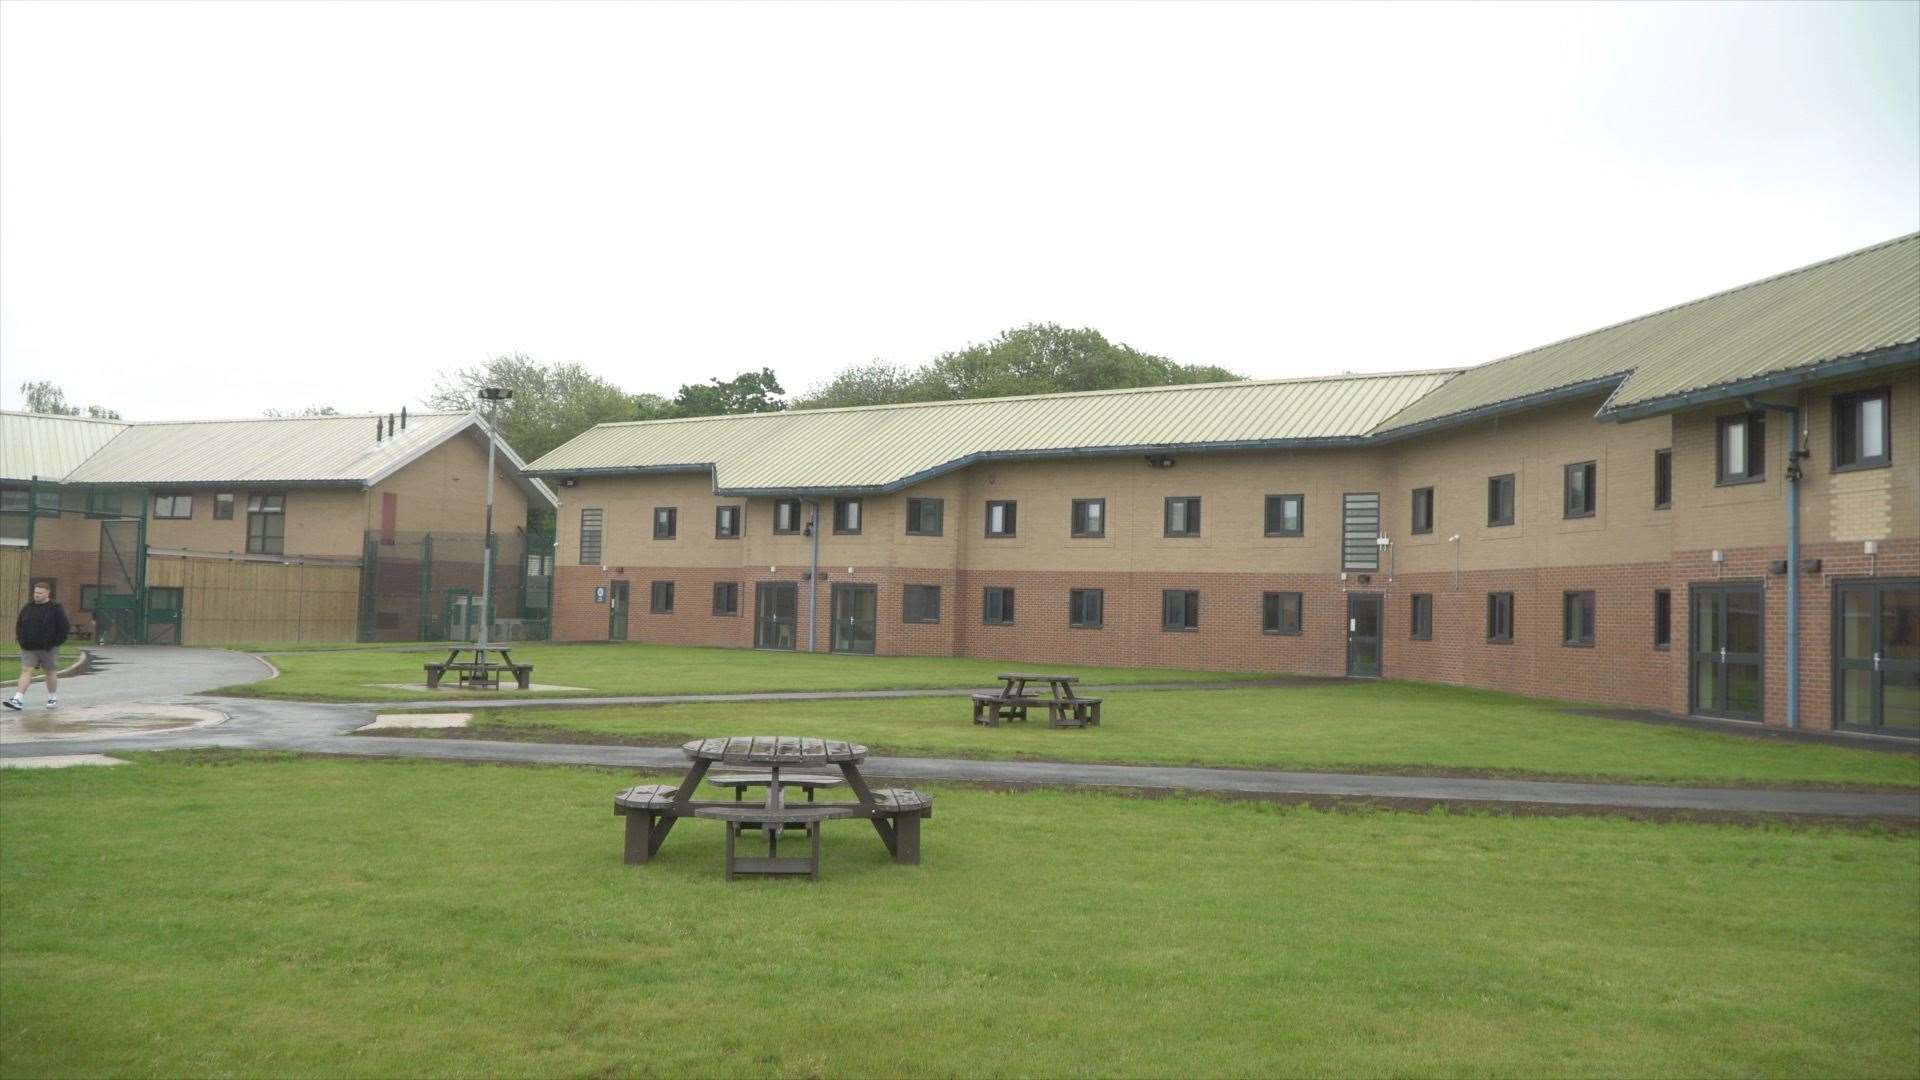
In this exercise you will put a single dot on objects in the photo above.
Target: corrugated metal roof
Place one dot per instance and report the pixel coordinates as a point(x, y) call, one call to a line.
point(35, 444)
point(886, 446)
point(1856, 303)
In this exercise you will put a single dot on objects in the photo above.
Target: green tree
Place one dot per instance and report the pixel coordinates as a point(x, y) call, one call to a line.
point(311, 410)
point(45, 397)
point(876, 383)
point(551, 403)
point(747, 392)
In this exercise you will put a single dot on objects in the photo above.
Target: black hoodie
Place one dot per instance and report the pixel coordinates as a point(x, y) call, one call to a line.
point(41, 626)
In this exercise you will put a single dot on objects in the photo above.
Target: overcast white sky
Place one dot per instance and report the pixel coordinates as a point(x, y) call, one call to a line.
point(216, 209)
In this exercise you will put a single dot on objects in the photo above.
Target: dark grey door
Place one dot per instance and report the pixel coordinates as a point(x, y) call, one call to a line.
point(854, 610)
point(1726, 648)
point(1876, 656)
point(1364, 619)
point(617, 611)
point(775, 608)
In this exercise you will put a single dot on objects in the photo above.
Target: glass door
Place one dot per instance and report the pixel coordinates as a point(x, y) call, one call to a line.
point(1363, 634)
point(1876, 657)
point(854, 610)
point(617, 611)
point(1726, 651)
point(775, 608)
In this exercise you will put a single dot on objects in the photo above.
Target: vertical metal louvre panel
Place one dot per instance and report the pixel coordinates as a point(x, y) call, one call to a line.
point(1360, 529)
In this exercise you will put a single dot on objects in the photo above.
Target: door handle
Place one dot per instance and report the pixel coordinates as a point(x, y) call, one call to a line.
point(1876, 661)
point(1353, 626)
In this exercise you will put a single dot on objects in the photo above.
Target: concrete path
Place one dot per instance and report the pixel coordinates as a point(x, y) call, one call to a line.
point(324, 729)
point(471, 701)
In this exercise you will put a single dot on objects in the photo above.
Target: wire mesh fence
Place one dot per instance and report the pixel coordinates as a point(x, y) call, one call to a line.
point(428, 586)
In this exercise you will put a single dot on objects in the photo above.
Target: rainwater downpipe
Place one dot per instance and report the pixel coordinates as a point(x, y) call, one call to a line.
point(1795, 440)
point(813, 573)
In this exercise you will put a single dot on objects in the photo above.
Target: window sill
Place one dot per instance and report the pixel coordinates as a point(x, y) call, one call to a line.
point(1864, 466)
point(1000, 536)
point(994, 625)
point(1586, 514)
point(910, 532)
point(1499, 524)
point(1087, 536)
point(1285, 535)
point(1499, 641)
point(1576, 644)
point(1419, 637)
point(1179, 629)
point(925, 622)
point(1280, 633)
point(847, 532)
point(1739, 481)
point(1663, 648)
point(1086, 626)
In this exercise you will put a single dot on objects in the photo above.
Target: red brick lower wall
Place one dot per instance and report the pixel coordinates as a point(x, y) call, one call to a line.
point(1623, 667)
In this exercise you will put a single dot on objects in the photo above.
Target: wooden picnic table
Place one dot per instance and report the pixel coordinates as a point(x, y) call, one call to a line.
point(1064, 707)
point(479, 673)
point(652, 810)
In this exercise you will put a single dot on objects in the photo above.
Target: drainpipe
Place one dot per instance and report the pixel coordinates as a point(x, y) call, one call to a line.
point(1795, 451)
point(813, 575)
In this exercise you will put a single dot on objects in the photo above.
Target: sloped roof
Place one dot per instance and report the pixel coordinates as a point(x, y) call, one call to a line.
point(1855, 304)
point(38, 445)
point(885, 447)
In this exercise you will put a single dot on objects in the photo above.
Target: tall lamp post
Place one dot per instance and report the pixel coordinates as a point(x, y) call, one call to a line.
point(493, 396)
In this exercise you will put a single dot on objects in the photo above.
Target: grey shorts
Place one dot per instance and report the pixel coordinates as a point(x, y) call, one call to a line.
point(40, 658)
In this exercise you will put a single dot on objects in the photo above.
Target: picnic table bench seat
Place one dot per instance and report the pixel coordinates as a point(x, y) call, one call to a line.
point(773, 821)
point(992, 709)
point(522, 673)
point(807, 782)
point(903, 808)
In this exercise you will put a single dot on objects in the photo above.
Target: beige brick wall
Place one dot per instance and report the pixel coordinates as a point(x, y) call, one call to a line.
point(445, 491)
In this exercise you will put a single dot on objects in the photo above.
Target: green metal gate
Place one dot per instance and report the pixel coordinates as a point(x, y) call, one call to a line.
point(120, 609)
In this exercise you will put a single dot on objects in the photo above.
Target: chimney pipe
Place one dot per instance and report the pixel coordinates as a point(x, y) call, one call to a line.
point(376, 429)
point(389, 425)
point(403, 418)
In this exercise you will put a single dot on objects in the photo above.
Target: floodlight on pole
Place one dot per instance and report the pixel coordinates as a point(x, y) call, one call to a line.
point(493, 396)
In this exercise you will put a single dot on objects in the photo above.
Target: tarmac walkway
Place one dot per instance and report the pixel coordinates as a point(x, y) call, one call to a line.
point(252, 724)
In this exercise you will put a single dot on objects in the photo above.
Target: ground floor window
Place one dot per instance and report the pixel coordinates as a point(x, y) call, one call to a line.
point(1576, 618)
point(1662, 618)
point(1179, 609)
point(1086, 608)
point(1421, 608)
point(662, 602)
point(1280, 613)
point(920, 604)
point(1500, 617)
point(996, 607)
point(726, 598)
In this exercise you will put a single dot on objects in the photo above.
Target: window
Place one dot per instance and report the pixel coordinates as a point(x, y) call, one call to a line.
point(726, 598)
point(173, 506)
point(103, 503)
point(1280, 613)
point(1360, 530)
point(1576, 618)
point(1500, 500)
point(921, 604)
point(1500, 617)
point(661, 601)
point(1286, 515)
point(1662, 479)
point(666, 522)
point(44, 502)
point(1089, 518)
point(1086, 608)
point(1001, 518)
point(1422, 520)
point(1662, 618)
point(15, 500)
point(726, 523)
point(1421, 609)
point(1742, 448)
point(166, 599)
point(88, 595)
point(996, 608)
point(925, 517)
point(846, 517)
point(786, 516)
point(590, 521)
point(1580, 496)
point(266, 524)
point(223, 507)
point(1179, 609)
point(1860, 429)
point(1183, 516)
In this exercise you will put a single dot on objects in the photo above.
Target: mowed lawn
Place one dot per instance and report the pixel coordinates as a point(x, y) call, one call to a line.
point(358, 674)
point(243, 916)
point(1315, 726)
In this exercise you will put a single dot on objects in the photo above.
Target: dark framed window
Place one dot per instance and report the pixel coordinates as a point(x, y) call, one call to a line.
point(1086, 608)
point(1862, 423)
point(591, 520)
point(726, 598)
point(16, 501)
point(1576, 618)
point(926, 517)
point(1740, 448)
point(666, 522)
point(166, 598)
point(1183, 516)
point(1662, 618)
point(1581, 497)
point(1500, 617)
point(266, 524)
point(1002, 519)
point(1662, 479)
point(173, 506)
point(223, 507)
point(726, 522)
point(996, 606)
point(1280, 613)
point(920, 604)
point(1179, 609)
point(46, 502)
point(88, 594)
point(103, 503)
point(1286, 515)
point(1500, 499)
point(1420, 610)
point(846, 517)
point(661, 600)
point(1421, 520)
point(786, 515)
point(1088, 518)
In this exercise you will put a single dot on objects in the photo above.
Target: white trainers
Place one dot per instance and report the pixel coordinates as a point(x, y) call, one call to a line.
point(15, 703)
point(53, 703)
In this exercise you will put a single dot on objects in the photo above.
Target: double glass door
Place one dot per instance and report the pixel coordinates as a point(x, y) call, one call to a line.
point(1726, 651)
point(854, 610)
point(775, 614)
point(1876, 656)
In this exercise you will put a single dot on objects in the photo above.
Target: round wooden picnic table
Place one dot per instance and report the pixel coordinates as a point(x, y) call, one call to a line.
point(774, 751)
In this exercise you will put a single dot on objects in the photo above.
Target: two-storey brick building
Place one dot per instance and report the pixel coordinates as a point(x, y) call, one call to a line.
point(1605, 519)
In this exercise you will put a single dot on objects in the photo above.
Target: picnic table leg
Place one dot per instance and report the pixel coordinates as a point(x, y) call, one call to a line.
point(813, 829)
point(865, 794)
point(733, 835)
point(640, 828)
point(906, 849)
point(433, 676)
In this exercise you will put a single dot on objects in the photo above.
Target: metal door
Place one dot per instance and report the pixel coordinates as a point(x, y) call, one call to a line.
point(1876, 656)
point(1364, 640)
point(775, 604)
point(1726, 646)
point(854, 611)
point(617, 611)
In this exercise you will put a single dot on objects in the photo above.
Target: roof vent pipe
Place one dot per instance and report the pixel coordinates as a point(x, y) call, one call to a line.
point(403, 418)
point(376, 429)
point(389, 425)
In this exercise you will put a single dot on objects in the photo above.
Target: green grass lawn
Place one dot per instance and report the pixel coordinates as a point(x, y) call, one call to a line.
point(355, 675)
point(243, 916)
point(1323, 726)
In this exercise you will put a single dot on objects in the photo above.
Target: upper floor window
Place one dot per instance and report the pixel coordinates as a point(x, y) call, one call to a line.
point(223, 507)
point(726, 522)
point(1860, 439)
point(1001, 518)
point(1500, 500)
point(1742, 448)
point(103, 502)
point(846, 517)
point(1183, 516)
point(1662, 479)
point(666, 522)
point(1422, 520)
point(1089, 518)
point(172, 506)
point(924, 517)
point(786, 516)
point(1580, 495)
point(1286, 515)
point(266, 524)
point(591, 520)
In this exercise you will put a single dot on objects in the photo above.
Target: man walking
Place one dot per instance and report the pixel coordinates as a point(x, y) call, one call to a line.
point(41, 629)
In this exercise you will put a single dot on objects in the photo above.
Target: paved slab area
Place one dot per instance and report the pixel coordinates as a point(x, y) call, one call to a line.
point(418, 720)
point(57, 761)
